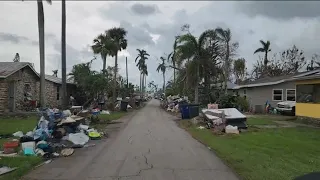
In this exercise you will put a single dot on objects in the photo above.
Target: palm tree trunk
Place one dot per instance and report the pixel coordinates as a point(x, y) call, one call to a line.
point(164, 82)
point(42, 52)
point(104, 59)
point(226, 70)
point(174, 73)
point(266, 59)
point(145, 83)
point(115, 77)
point(140, 88)
point(207, 87)
point(142, 84)
point(196, 90)
point(63, 58)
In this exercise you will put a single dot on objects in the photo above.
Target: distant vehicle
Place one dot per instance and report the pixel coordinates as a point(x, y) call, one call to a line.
point(287, 107)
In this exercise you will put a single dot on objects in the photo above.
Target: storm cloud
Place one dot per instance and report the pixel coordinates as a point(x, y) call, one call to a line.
point(153, 25)
point(281, 9)
point(141, 9)
point(16, 39)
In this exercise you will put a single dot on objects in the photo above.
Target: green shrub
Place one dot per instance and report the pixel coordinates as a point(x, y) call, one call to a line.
point(242, 104)
point(231, 101)
point(227, 101)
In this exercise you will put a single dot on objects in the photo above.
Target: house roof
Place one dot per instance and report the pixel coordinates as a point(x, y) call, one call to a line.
point(277, 80)
point(230, 85)
point(56, 79)
point(9, 68)
point(307, 77)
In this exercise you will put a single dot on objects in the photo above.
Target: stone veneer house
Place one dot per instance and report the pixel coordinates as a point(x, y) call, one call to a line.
point(20, 84)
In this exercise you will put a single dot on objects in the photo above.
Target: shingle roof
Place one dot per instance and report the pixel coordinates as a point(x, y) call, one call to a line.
point(311, 76)
point(56, 79)
point(230, 85)
point(9, 68)
point(276, 80)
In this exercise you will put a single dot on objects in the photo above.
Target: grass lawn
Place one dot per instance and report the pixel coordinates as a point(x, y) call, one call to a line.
point(10, 125)
point(24, 164)
point(260, 121)
point(112, 116)
point(277, 154)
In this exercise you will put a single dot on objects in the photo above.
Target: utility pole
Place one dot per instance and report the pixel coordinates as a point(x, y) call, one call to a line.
point(42, 53)
point(63, 56)
point(127, 72)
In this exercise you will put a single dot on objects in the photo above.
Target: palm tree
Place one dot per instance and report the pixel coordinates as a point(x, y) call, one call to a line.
point(162, 67)
point(63, 56)
point(193, 50)
point(173, 58)
point(265, 48)
point(119, 42)
point(141, 64)
point(225, 36)
point(102, 45)
point(42, 51)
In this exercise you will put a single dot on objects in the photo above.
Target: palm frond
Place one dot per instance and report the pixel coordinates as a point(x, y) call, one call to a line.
point(169, 55)
point(259, 50)
point(136, 58)
point(263, 43)
point(228, 35)
point(162, 58)
point(268, 45)
point(158, 68)
point(203, 37)
point(188, 38)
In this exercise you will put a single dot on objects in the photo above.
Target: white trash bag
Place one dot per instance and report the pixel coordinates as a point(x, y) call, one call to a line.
point(18, 134)
point(78, 138)
point(232, 129)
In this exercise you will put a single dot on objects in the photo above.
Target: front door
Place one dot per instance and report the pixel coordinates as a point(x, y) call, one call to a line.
point(11, 96)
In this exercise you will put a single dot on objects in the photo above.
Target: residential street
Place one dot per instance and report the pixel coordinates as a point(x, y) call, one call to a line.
point(147, 145)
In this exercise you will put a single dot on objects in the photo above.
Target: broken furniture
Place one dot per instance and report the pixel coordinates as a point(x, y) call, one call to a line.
point(231, 116)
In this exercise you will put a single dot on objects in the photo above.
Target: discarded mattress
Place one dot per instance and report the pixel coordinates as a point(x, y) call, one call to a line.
point(232, 115)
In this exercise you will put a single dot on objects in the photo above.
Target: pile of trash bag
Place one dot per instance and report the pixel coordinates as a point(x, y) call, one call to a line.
point(57, 133)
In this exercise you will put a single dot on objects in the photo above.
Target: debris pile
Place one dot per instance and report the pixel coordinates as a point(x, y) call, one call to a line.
point(57, 133)
point(228, 120)
point(172, 103)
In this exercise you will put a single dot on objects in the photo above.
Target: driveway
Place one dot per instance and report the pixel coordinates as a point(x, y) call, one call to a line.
point(147, 145)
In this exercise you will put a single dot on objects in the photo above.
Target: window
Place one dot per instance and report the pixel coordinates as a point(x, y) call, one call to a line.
point(244, 92)
point(58, 92)
point(308, 93)
point(291, 94)
point(277, 94)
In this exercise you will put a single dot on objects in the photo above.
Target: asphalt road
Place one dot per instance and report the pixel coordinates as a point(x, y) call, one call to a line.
point(147, 145)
